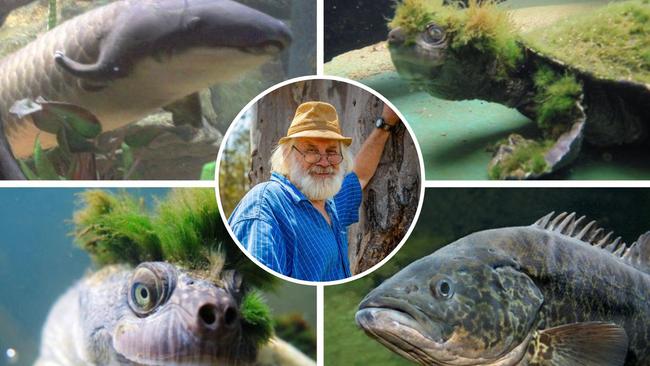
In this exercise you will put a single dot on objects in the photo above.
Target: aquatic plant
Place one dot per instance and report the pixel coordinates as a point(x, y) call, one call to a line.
point(557, 96)
point(527, 157)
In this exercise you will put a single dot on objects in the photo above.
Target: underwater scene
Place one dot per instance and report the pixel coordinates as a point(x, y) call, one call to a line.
point(133, 90)
point(519, 276)
point(515, 89)
point(146, 276)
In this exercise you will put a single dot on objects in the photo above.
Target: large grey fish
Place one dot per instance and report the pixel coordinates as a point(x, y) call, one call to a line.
point(124, 60)
point(559, 292)
point(156, 314)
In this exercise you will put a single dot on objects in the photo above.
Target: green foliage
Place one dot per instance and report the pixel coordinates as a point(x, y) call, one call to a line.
point(612, 42)
point(257, 322)
point(233, 170)
point(481, 26)
point(528, 157)
point(184, 228)
point(51, 16)
point(115, 229)
point(295, 328)
point(556, 96)
point(208, 171)
point(44, 168)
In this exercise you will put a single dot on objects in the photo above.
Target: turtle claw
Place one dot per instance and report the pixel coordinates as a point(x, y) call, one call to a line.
point(521, 158)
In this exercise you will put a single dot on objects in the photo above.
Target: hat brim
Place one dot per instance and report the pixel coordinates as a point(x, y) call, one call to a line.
point(320, 134)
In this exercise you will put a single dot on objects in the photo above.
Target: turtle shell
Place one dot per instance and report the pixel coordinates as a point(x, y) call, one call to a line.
point(609, 50)
point(611, 43)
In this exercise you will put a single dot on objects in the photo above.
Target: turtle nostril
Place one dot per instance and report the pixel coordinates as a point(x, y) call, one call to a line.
point(230, 316)
point(396, 36)
point(208, 315)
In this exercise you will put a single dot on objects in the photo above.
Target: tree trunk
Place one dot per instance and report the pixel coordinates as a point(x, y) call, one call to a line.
point(389, 201)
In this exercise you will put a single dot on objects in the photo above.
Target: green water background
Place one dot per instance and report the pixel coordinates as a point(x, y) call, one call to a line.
point(449, 214)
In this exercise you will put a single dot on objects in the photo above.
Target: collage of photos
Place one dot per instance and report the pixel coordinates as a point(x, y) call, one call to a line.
point(325, 182)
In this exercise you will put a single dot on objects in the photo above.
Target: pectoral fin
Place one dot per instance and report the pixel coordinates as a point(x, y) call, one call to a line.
point(588, 344)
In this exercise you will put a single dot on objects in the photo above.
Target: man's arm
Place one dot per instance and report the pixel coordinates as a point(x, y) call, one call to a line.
point(367, 159)
point(263, 242)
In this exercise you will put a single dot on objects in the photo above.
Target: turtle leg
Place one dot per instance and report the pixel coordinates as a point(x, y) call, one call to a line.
point(521, 158)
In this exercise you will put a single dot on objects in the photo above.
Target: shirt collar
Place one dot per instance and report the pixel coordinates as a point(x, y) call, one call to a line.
point(295, 194)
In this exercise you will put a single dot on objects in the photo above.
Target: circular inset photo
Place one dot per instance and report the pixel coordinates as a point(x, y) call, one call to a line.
point(320, 179)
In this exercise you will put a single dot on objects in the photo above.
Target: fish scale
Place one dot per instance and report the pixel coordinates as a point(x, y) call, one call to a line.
point(561, 291)
point(31, 71)
point(126, 60)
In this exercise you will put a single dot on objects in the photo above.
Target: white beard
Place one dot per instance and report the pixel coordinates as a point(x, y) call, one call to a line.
point(316, 189)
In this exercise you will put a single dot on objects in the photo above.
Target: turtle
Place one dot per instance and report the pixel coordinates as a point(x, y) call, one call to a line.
point(584, 79)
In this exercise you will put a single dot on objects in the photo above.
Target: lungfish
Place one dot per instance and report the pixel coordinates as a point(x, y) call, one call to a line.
point(124, 60)
point(558, 292)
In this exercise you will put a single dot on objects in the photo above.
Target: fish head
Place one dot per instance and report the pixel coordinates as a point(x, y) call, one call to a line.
point(174, 26)
point(176, 318)
point(457, 306)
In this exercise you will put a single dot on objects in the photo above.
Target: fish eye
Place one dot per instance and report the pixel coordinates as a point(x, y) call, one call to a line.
point(147, 291)
point(434, 35)
point(443, 289)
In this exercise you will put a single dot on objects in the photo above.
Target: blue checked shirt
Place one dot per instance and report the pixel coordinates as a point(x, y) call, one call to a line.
point(280, 227)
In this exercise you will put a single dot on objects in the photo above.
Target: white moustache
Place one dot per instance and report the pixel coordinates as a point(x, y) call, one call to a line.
point(321, 170)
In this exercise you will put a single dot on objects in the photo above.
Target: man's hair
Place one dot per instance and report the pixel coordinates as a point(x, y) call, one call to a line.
point(279, 163)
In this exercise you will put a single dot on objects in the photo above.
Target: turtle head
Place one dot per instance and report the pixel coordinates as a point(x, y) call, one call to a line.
point(175, 316)
point(450, 51)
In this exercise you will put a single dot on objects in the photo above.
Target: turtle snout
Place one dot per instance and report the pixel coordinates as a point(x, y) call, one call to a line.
point(396, 36)
point(219, 314)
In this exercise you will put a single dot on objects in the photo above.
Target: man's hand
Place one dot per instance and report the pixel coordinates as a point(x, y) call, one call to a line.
point(389, 115)
point(370, 152)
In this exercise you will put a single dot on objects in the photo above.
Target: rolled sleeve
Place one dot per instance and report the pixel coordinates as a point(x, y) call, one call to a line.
point(348, 200)
point(264, 242)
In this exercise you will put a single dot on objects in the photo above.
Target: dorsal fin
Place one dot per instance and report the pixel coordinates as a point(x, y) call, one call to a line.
point(636, 255)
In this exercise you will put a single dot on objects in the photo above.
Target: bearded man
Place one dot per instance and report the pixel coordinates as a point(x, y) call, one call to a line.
point(296, 223)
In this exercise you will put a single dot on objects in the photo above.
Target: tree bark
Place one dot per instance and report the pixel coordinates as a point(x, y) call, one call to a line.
point(390, 199)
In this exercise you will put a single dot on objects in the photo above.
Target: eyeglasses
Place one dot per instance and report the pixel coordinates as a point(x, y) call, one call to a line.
point(313, 157)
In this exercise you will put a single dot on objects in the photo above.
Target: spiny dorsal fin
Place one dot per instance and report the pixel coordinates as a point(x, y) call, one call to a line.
point(636, 255)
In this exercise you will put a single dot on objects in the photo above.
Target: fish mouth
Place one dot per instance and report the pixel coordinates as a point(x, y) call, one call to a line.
point(402, 328)
point(267, 48)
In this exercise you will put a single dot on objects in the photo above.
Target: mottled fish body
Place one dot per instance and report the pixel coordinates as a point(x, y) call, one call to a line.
point(559, 292)
point(125, 60)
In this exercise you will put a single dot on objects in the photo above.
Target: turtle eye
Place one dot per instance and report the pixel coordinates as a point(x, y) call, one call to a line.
point(442, 289)
point(434, 35)
point(148, 291)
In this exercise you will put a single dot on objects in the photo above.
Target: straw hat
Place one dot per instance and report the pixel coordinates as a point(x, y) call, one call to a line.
point(316, 119)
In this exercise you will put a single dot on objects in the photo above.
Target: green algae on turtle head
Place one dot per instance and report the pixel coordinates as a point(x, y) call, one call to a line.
point(183, 229)
point(482, 26)
point(258, 323)
point(612, 42)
